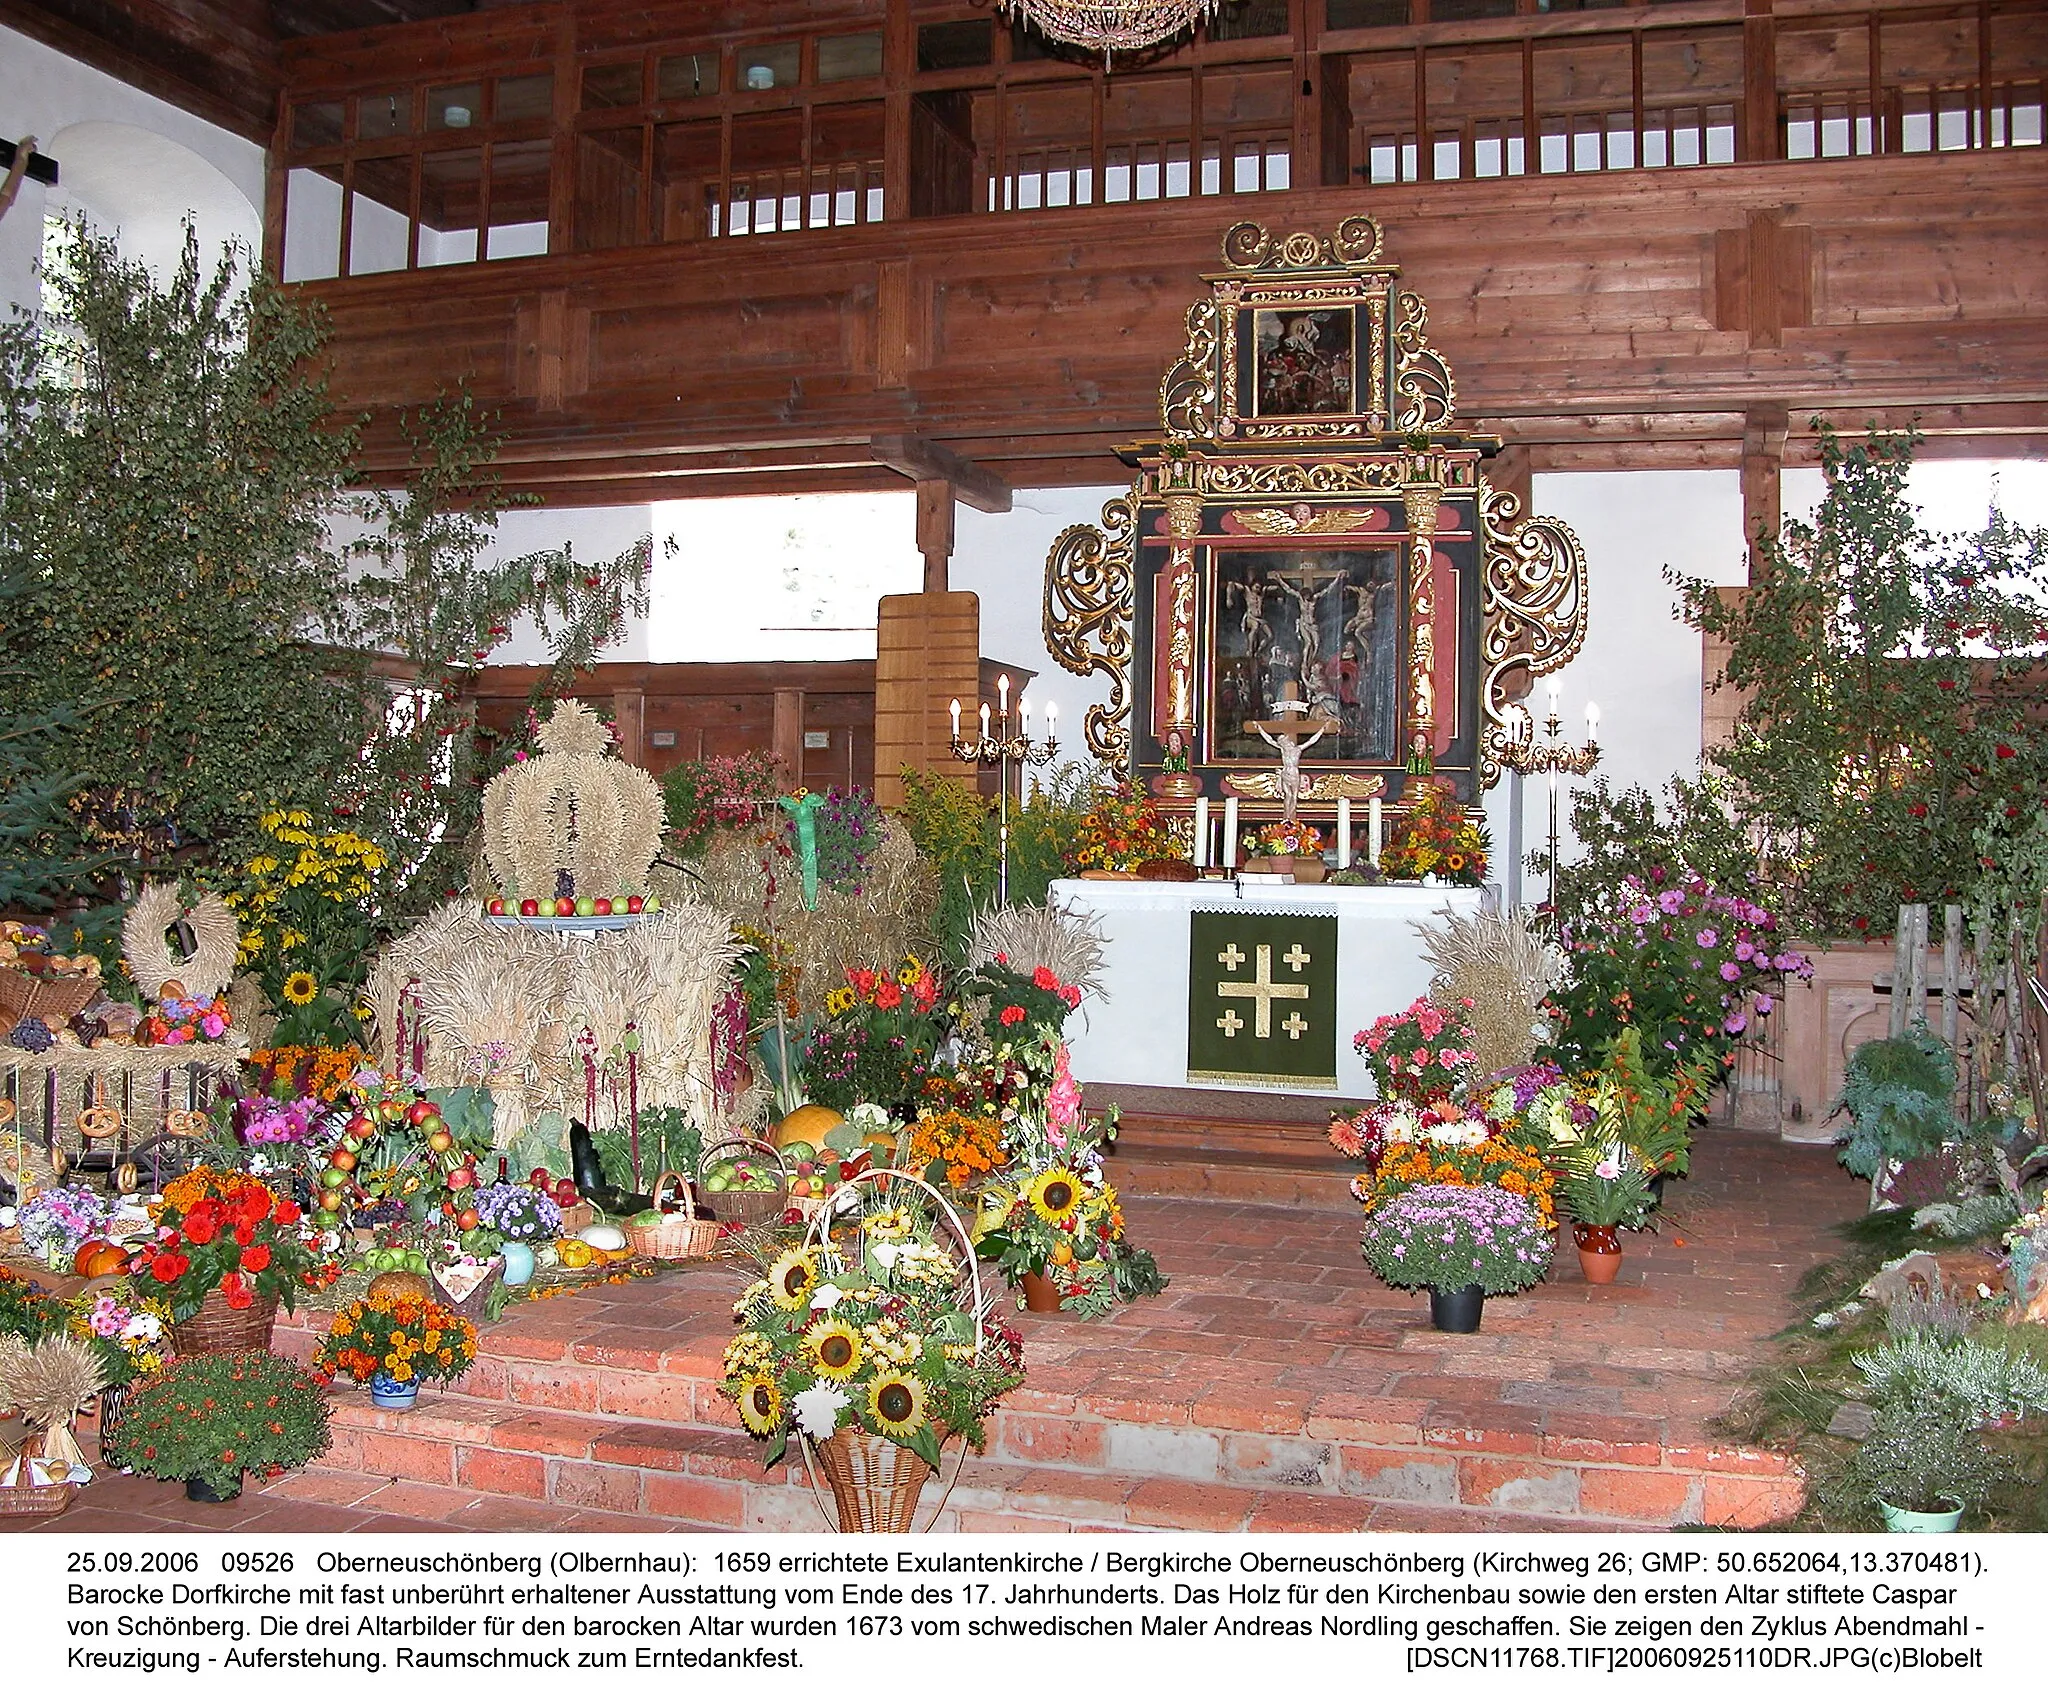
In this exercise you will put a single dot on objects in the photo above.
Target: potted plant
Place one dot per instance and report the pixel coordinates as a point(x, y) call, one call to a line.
point(391, 1339)
point(226, 1252)
point(524, 1218)
point(1057, 1235)
point(873, 1348)
point(1419, 1055)
point(1921, 1467)
point(210, 1420)
point(1463, 1243)
point(1288, 846)
point(1605, 1189)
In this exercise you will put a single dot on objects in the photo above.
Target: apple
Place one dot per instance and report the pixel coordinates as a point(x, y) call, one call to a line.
point(466, 1220)
point(391, 1111)
point(495, 906)
point(651, 904)
point(541, 1181)
point(529, 909)
point(330, 1198)
point(601, 907)
point(585, 907)
point(564, 907)
point(440, 1141)
point(460, 1178)
point(421, 1112)
point(635, 903)
point(343, 1159)
point(545, 909)
point(361, 1127)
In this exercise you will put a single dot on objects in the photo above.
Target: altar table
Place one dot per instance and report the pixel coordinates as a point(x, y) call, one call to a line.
point(1139, 1035)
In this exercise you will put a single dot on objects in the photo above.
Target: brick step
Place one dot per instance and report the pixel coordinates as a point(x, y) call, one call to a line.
point(1278, 1141)
point(1234, 1178)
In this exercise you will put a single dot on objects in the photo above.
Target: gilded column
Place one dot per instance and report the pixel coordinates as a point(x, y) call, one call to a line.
point(1183, 525)
point(1420, 497)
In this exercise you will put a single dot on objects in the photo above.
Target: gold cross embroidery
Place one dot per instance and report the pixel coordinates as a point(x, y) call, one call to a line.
point(1230, 1023)
point(1262, 991)
point(1296, 1026)
point(1294, 959)
point(1230, 958)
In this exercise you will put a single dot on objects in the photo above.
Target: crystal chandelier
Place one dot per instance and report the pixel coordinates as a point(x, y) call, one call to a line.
point(1111, 26)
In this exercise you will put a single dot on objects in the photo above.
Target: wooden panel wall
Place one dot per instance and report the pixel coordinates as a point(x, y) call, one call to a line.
point(927, 654)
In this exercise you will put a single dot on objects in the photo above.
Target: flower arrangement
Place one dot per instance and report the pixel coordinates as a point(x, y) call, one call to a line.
point(1121, 831)
point(1448, 1237)
point(1498, 1162)
point(307, 930)
point(721, 791)
point(1625, 1101)
point(998, 1003)
point(847, 829)
point(516, 1210)
point(176, 1021)
point(225, 1230)
point(957, 1145)
point(58, 1220)
point(1436, 838)
point(217, 1418)
point(396, 1336)
point(877, 1339)
point(1605, 1187)
point(1371, 1129)
point(1063, 1222)
point(878, 1038)
point(1685, 963)
point(1288, 836)
point(128, 1333)
point(1419, 1054)
point(322, 1073)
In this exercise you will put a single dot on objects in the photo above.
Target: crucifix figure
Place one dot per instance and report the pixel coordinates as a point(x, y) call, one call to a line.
point(1288, 746)
point(1262, 991)
point(1309, 586)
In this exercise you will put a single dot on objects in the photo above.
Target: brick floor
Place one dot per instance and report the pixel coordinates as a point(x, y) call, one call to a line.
point(1275, 1384)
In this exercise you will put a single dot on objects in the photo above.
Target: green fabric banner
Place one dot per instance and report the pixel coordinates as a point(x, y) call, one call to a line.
point(1262, 999)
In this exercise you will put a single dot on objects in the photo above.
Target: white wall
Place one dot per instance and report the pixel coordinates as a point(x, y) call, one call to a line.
point(116, 170)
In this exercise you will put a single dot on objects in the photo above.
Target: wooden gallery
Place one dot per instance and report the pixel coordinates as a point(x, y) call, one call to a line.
point(1187, 765)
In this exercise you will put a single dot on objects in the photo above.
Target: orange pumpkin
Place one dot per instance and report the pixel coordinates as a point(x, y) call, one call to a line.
point(98, 1258)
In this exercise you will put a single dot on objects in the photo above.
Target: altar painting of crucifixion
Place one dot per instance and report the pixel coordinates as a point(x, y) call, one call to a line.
point(1320, 626)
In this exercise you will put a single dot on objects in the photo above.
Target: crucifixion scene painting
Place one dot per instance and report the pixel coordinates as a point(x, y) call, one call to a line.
point(1320, 626)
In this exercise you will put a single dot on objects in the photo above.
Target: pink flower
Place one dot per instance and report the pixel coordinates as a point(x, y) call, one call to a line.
point(1735, 1023)
point(1709, 937)
point(1730, 971)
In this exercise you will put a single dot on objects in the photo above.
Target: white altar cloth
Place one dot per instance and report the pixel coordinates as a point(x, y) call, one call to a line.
point(1139, 1035)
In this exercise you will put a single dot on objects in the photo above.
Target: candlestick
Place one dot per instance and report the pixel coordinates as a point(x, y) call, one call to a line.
point(1375, 818)
point(956, 716)
point(1003, 751)
point(1343, 831)
point(984, 721)
point(1201, 831)
point(1230, 833)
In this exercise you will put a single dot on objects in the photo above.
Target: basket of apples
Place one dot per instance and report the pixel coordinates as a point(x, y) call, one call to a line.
point(816, 1173)
point(745, 1179)
point(577, 1212)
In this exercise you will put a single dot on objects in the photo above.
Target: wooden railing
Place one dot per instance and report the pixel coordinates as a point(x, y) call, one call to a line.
point(537, 130)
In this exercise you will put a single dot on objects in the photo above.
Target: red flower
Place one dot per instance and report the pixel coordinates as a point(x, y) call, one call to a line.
point(1918, 809)
point(1945, 683)
point(287, 1212)
point(1045, 979)
point(200, 1228)
point(168, 1266)
point(2006, 751)
point(1012, 1015)
point(256, 1258)
point(236, 1291)
point(245, 1233)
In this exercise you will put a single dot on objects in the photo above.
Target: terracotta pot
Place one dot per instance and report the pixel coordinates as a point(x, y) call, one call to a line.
point(1308, 868)
point(1599, 1251)
point(1040, 1295)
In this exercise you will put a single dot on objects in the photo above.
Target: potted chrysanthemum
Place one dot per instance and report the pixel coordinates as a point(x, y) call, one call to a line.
point(1463, 1243)
point(873, 1346)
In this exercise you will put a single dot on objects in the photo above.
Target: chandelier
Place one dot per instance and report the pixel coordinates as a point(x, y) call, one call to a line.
point(1111, 26)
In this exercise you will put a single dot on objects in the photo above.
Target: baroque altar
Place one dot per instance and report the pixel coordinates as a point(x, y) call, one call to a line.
point(1313, 531)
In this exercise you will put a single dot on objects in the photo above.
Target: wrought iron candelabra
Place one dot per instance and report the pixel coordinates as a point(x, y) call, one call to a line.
point(1524, 756)
point(1002, 749)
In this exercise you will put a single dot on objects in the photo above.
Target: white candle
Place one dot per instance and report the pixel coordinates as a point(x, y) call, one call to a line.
point(1374, 817)
point(1230, 833)
point(1551, 686)
point(1343, 831)
point(956, 719)
point(1052, 719)
point(1201, 830)
point(984, 722)
point(1592, 722)
point(1003, 696)
point(1024, 715)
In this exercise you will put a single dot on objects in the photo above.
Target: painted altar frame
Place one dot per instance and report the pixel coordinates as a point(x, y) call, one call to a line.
point(1312, 526)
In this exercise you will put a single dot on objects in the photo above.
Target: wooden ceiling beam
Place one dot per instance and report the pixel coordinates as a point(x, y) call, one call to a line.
point(922, 459)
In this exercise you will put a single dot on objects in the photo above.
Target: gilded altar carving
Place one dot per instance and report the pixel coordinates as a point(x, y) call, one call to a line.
point(1533, 576)
point(1090, 587)
point(1422, 378)
point(1299, 521)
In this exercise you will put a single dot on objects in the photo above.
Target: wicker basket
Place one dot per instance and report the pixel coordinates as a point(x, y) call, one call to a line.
point(577, 1217)
point(674, 1242)
point(471, 1303)
point(22, 995)
point(22, 1501)
point(220, 1327)
point(750, 1210)
point(875, 1481)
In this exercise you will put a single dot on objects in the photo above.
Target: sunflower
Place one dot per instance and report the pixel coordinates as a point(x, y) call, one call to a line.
point(835, 1348)
point(301, 988)
point(760, 1401)
point(891, 1222)
point(1055, 1192)
point(897, 1403)
point(791, 1278)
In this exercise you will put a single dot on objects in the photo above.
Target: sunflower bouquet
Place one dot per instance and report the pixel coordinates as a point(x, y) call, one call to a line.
point(872, 1335)
point(1436, 839)
point(1122, 831)
point(1063, 1222)
point(397, 1334)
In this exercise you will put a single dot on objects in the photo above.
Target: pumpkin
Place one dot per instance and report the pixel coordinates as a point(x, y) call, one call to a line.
point(807, 1125)
point(99, 1258)
point(575, 1254)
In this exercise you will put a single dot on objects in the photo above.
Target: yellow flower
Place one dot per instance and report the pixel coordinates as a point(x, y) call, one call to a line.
point(897, 1403)
point(301, 988)
point(835, 1349)
point(791, 1278)
point(1055, 1192)
point(760, 1403)
point(891, 1222)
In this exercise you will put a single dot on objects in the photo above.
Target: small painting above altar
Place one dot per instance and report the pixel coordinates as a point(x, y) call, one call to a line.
point(1304, 362)
point(1320, 626)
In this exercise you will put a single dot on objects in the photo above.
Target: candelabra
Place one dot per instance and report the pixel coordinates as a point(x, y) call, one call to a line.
point(1002, 750)
point(1523, 755)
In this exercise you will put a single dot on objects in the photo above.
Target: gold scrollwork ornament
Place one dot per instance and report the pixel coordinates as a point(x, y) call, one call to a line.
point(1090, 591)
point(1533, 586)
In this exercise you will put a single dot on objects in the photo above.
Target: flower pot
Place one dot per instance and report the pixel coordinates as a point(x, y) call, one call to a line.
point(875, 1481)
point(1599, 1251)
point(1040, 1295)
point(1917, 1520)
point(519, 1262)
point(394, 1394)
point(1270, 865)
point(198, 1491)
point(1456, 1309)
point(218, 1326)
point(1308, 868)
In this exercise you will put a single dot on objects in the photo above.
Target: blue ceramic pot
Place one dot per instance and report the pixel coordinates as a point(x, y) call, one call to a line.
point(394, 1394)
point(519, 1262)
